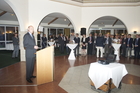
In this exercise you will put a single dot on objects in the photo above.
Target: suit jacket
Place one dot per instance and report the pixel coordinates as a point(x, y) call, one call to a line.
point(77, 40)
point(88, 39)
point(109, 41)
point(123, 40)
point(83, 41)
point(29, 44)
point(129, 43)
point(61, 40)
point(135, 42)
point(94, 39)
point(100, 41)
point(44, 39)
point(15, 41)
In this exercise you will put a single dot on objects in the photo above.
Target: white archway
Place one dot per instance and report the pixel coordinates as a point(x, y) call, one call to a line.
point(117, 19)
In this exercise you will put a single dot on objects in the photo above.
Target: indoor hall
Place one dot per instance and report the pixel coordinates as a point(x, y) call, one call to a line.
point(53, 17)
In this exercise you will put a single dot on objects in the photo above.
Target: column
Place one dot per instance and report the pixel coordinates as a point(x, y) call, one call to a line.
point(112, 32)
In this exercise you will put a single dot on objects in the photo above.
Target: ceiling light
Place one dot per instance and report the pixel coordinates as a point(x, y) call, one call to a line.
point(65, 19)
point(12, 14)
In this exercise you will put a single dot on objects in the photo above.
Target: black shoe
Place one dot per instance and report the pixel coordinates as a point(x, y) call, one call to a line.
point(29, 80)
point(33, 76)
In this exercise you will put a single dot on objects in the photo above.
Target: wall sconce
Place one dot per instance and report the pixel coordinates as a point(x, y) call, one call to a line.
point(135, 32)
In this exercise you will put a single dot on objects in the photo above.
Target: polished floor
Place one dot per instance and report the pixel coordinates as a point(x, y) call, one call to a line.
point(12, 78)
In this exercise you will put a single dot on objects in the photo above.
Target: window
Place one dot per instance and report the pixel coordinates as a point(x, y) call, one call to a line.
point(10, 33)
point(2, 33)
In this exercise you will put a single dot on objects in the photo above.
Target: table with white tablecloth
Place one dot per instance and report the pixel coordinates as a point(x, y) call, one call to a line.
point(100, 74)
point(72, 46)
point(51, 43)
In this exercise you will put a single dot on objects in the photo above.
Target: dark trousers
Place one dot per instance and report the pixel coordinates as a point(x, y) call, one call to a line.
point(90, 48)
point(44, 45)
point(94, 49)
point(76, 50)
point(61, 48)
point(136, 52)
point(16, 51)
point(124, 50)
point(29, 67)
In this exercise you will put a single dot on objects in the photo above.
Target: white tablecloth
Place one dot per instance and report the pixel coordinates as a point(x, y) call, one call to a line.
point(116, 47)
point(9, 46)
point(51, 43)
point(100, 74)
point(71, 46)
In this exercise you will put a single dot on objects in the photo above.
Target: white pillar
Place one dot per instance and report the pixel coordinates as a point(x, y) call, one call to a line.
point(112, 32)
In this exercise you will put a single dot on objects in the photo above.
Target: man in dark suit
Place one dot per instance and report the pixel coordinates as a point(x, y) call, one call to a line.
point(30, 47)
point(16, 46)
point(124, 46)
point(129, 42)
point(94, 44)
point(61, 43)
point(77, 40)
point(44, 41)
point(108, 44)
point(90, 41)
point(136, 44)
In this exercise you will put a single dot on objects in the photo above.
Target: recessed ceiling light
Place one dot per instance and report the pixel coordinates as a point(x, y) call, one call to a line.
point(65, 19)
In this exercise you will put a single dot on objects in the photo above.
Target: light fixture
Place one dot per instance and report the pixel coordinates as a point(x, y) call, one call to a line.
point(65, 19)
point(12, 14)
point(135, 32)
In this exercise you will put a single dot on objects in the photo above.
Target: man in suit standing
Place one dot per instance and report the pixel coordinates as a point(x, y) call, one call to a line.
point(94, 44)
point(30, 49)
point(124, 46)
point(61, 43)
point(77, 41)
point(136, 44)
point(90, 41)
point(44, 41)
point(16, 46)
point(129, 42)
point(108, 44)
point(99, 45)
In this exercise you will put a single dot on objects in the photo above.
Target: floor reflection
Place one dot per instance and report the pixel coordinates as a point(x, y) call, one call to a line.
point(71, 62)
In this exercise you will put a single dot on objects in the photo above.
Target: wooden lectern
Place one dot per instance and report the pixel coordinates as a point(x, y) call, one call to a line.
point(45, 65)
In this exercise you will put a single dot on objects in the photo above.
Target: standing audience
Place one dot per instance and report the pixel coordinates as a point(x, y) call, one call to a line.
point(61, 43)
point(94, 44)
point(129, 42)
point(16, 46)
point(136, 44)
point(108, 44)
point(44, 41)
point(99, 45)
point(90, 41)
point(77, 41)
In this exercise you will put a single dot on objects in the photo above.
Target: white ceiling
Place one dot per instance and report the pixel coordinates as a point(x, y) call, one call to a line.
point(106, 1)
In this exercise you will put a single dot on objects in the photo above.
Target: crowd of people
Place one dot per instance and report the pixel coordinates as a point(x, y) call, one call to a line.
point(97, 44)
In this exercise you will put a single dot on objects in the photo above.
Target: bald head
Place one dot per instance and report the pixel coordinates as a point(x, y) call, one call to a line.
point(31, 29)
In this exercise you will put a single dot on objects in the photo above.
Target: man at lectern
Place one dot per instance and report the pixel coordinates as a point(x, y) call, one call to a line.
point(30, 47)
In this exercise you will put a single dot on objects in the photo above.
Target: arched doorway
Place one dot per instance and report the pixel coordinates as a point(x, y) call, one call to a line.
point(8, 26)
point(53, 25)
point(108, 24)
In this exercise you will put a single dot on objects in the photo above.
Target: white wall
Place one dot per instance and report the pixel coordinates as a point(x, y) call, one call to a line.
point(38, 9)
point(130, 16)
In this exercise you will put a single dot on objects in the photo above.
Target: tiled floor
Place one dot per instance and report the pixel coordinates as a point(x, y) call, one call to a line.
point(76, 80)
